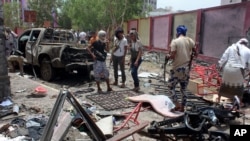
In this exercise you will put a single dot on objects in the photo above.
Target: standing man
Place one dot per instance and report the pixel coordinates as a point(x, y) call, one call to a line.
point(10, 42)
point(234, 64)
point(82, 37)
point(93, 37)
point(98, 50)
point(118, 56)
point(181, 50)
point(135, 60)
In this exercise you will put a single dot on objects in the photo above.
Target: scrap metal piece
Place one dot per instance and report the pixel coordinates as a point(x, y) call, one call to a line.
point(129, 132)
point(49, 128)
point(113, 100)
point(21, 91)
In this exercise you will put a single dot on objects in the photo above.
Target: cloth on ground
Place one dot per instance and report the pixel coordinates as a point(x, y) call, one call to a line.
point(161, 104)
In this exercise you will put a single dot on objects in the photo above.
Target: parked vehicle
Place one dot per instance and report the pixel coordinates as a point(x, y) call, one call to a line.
point(53, 49)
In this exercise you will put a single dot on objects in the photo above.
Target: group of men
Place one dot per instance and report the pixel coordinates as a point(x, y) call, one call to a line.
point(98, 48)
point(80, 35)
point(181, 50)
point(234, 66)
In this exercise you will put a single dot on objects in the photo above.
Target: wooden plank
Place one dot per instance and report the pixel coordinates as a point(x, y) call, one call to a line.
point(129, 132)
point(13, 116)
point(63, 126)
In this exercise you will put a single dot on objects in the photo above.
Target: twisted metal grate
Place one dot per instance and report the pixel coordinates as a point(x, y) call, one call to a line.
point(113, 100)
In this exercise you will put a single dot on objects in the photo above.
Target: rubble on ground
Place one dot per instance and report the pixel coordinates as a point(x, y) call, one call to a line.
point(118, 114)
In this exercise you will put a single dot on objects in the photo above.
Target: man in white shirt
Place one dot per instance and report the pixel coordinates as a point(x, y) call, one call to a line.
point(82, 37)
point(118, 56)
point(233, 64)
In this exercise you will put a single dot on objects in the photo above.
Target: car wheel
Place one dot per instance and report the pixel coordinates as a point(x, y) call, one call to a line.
point(46, 69)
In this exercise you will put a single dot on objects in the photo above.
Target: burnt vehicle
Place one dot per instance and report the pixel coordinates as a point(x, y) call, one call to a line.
point(52, 50)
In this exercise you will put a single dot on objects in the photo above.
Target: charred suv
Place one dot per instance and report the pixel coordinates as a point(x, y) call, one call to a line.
point(52, 50)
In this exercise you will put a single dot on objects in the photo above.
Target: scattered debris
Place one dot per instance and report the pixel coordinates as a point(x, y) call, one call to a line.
point(106, 125)
point(53, 96)
point(13, 116)
point(35, 109)
point(8, 112)
point(6, 102)
point(39, 92)
point(147, 74)
point(103, 113)
point(4, 128)
point(31, 128)
point(113, 100)
point(64, 124)
point(19, 138)
point(161, 104)
point(21, 91)
point(83, 91)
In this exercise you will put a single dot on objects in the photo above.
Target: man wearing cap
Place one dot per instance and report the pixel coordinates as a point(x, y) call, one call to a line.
point(181, 50)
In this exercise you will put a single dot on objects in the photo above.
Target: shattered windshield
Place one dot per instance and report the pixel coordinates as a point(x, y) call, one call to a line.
point(59, 36)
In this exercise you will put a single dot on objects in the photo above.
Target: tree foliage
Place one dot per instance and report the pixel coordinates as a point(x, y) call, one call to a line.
point(64, 21)
point(12, 15)
point(101, 14)
point(88, 14)
point(44, 10)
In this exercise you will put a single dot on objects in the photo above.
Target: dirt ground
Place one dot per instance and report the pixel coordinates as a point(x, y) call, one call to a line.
point(22, 87)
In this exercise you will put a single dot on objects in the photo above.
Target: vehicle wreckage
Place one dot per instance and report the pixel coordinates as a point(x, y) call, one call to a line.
point(54, 49)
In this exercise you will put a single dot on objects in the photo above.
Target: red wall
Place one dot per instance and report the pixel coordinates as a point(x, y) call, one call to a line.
point(221, 27)
point(160, 32)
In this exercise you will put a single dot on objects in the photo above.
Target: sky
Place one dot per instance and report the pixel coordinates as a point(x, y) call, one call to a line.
point(187, 5)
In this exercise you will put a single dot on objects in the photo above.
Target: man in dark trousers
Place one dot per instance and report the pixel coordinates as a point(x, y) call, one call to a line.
point(118, 55)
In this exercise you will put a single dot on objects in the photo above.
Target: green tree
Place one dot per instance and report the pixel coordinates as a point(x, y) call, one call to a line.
point(44, 10)
point(104, 14)
point(64, 21)
point(12, 14)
